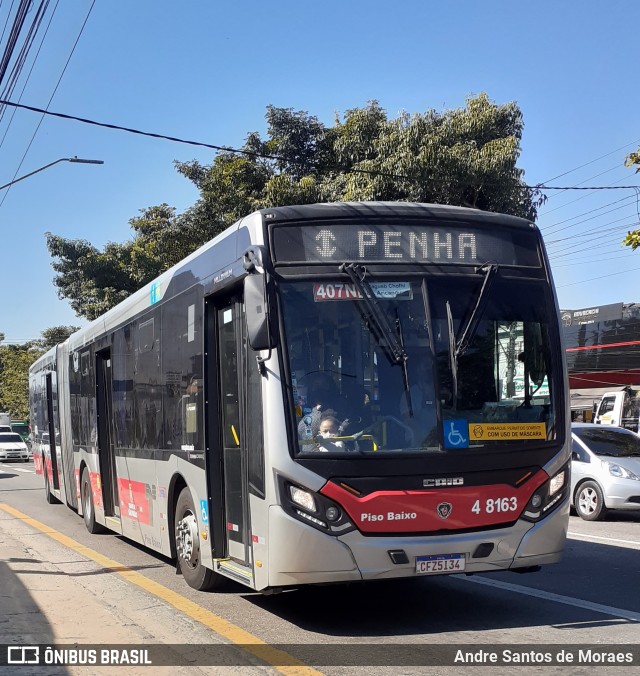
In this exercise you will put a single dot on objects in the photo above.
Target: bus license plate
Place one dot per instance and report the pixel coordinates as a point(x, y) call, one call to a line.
point(443, 563)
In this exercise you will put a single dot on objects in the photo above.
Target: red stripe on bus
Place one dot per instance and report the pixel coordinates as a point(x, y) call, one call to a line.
point(603, 346)
point(440, 509)
point(134, 501)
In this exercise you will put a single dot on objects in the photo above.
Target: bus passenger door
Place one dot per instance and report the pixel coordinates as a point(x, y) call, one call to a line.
point(227, 434)
point(106, 450)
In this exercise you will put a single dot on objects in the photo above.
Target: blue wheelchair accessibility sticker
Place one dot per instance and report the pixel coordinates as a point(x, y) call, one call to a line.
point(204, 511)
point(456, 434)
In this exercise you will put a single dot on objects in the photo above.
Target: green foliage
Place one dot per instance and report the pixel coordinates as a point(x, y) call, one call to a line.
point(93, 281)
point(632, 238)
point(466, 157)
point(14, 378)
point(15, 361)
point(54, 336)
point(633, 160)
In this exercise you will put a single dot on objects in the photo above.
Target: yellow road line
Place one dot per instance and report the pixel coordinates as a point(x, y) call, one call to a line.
point(279, 659)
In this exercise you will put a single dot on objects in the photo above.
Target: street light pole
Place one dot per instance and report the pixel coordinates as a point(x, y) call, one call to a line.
point(46, 166)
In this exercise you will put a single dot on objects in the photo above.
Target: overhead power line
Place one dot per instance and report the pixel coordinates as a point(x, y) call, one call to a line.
point(586, 213)
point(44, 112)
point(593, 279)
point(28, 77)
point(130, 130)
point(251, 153)
point(597, 159)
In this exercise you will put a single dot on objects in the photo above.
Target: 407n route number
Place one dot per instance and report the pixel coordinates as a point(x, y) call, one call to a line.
point(494, 505)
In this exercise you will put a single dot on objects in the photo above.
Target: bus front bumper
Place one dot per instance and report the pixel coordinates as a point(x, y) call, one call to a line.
point(522, 545)
point(300, 554)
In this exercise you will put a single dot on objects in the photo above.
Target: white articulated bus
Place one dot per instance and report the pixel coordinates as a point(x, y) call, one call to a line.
point(323, 393)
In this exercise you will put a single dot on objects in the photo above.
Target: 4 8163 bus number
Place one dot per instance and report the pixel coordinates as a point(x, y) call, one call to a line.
point(494, 505)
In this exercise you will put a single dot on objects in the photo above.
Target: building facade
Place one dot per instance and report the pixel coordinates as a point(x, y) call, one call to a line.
point(603, 351)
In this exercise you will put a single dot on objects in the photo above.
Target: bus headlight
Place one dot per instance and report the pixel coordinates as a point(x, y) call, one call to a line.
point(549, 496)
point(556, 483)
point(303, 498)
point(313, 508)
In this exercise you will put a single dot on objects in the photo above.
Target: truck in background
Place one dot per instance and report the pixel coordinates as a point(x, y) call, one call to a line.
point(619, 408)
point(22, 428)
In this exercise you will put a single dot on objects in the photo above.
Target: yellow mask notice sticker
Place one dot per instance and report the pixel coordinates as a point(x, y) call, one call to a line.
point(506, 431)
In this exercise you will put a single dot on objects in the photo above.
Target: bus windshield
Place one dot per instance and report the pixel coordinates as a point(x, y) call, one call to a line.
point(475, 368)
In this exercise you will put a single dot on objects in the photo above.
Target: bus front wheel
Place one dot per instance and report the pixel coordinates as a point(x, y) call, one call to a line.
point(88, 509)
point(187, 541)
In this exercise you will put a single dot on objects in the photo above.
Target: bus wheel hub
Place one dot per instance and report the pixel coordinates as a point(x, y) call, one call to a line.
point(186, 538)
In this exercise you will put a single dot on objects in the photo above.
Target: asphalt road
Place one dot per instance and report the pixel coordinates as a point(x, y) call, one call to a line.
point(592, 598)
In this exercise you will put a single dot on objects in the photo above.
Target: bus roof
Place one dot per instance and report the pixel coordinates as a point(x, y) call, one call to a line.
point(146, 296)
point(346, 210)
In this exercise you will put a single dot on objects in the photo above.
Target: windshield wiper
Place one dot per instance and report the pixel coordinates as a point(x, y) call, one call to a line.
point(405, 370)
point(469, 329)
point(458, 347)
point(378, 320)
point(453, 356)
point(377, 316)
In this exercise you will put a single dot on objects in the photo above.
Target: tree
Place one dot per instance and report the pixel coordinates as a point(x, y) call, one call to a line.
point(54, 336)
point(93, 281)
point(632, 238)
point(14, 383)
point(465, 157)
point(15, 361)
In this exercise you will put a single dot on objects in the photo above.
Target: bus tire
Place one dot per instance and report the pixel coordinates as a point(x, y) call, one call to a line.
point(589, 502)
point(187, 543)
point(88, 508)
point(48, 495)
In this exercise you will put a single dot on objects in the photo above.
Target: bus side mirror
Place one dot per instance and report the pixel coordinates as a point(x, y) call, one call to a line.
point(259, 331)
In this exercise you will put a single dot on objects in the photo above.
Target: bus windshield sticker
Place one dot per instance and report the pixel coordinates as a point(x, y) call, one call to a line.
point(507, 432)
point(341, 291)
point(456, 434)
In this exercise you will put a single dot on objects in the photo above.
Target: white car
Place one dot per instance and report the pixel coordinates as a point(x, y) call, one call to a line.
point(13, 448)
point(605, 469)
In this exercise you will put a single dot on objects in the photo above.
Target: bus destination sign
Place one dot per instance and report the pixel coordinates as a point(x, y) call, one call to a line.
point(414, 243)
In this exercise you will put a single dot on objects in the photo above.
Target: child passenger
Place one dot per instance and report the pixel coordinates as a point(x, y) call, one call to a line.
point(328, 430)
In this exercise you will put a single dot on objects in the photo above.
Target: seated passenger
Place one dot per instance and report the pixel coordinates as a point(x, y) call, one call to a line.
point(329, 429)
point(321, 401)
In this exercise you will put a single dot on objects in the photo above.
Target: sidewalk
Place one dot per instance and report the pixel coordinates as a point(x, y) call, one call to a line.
point(51, 595)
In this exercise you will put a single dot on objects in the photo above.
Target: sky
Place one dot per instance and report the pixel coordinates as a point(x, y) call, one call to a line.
point(206, 70)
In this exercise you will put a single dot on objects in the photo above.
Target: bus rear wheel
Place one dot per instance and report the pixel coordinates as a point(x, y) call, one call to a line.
point(187, 542)
point(49, 496)
point(88, 509)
